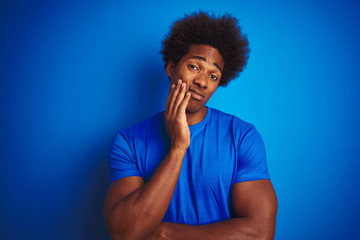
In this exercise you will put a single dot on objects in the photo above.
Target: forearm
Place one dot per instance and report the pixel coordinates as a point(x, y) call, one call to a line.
point(134, 212)
point(236, 228)
point(139, 214)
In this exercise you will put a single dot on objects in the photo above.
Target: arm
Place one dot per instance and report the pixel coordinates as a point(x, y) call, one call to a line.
point(254, 206)
point(134, 209)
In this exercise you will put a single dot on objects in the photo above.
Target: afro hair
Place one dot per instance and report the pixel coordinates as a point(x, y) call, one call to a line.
point(222, 32)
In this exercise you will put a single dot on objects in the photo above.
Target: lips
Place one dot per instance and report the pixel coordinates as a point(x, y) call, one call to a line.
point(196, 95)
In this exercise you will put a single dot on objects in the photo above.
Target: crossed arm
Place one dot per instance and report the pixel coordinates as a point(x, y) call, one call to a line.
point(134, 209)
point(254, 205)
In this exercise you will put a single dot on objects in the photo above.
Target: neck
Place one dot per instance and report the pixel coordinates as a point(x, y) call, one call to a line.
point(194, 118)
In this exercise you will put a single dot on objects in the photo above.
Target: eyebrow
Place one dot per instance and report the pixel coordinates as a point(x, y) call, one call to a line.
point(204, 59)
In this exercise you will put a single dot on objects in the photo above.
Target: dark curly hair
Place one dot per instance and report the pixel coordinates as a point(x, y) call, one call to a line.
point(222, 33)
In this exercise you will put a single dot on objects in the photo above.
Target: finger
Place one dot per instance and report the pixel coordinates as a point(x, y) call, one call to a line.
point(173, 97)
point(179, 98)
point(168, 100)
point(183, 105)
point(172, 87)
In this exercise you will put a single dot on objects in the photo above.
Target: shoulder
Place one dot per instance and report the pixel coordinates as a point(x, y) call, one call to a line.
point(226, 119)
point(240, 130)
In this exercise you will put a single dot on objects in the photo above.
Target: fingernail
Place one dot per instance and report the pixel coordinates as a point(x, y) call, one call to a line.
point(172, 85)
point(183, 85)
point(179, 81)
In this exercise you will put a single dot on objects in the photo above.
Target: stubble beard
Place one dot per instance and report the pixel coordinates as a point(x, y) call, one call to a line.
point(193, 109)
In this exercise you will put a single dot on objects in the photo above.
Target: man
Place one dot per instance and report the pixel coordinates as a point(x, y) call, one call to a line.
point(193, 172)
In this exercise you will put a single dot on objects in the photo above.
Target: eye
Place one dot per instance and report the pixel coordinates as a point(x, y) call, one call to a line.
point(193, 67)
point(213, 77)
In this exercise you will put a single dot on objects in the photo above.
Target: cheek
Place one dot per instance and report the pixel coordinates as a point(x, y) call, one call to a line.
point(176, 75)
point(213, 91)
point(182, 74)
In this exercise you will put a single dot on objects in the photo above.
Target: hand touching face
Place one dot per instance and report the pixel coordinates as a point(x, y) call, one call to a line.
point(201, 70)
point(175, 116)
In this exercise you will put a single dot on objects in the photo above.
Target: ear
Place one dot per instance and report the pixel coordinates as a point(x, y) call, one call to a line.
point(170, 68)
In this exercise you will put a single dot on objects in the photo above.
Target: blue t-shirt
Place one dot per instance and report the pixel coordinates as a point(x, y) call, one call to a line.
point(223, 150)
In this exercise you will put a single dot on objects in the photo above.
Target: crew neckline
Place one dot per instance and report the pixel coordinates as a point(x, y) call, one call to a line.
point(195, 126)
point(204, 121)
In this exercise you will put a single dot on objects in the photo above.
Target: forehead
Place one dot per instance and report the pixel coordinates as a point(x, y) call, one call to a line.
point(211, 54)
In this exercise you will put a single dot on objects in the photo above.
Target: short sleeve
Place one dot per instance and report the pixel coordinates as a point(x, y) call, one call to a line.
point(122, 160)
point(251, 158)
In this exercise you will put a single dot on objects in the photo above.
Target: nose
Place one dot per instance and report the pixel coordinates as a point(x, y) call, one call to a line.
point(201, 80)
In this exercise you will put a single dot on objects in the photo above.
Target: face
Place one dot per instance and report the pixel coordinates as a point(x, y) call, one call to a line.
point(201, 70)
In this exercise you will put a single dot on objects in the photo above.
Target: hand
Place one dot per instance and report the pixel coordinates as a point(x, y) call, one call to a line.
point(175, 116)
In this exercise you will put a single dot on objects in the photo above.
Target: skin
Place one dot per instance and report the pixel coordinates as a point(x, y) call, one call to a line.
point(134, 209)
point(201, 70)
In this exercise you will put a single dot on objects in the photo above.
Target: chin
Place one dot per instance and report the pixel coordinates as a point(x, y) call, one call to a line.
point(192, 108)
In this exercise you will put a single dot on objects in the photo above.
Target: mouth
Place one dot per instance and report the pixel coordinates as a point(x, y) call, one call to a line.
point(196, 95)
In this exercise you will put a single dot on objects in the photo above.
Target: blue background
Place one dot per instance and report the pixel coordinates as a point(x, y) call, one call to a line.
point(74, 72)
